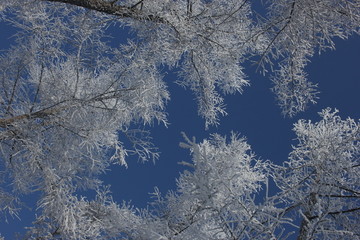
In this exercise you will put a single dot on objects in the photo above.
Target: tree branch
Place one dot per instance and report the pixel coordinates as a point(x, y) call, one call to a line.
point(4, 123)
point(336, 212)
point(112, 9)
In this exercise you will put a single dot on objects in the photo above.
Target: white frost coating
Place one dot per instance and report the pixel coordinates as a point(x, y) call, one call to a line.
point(68, 101)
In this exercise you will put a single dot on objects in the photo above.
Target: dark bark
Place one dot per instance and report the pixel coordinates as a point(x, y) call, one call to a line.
point(5, 123)
point(112, 9)
point(304, 227)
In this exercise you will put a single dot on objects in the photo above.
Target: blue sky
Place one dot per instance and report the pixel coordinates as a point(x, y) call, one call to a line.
point(254, 114)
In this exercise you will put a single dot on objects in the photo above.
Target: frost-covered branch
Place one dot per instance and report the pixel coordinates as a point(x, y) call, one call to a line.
point(320, 179)
point(112, 8)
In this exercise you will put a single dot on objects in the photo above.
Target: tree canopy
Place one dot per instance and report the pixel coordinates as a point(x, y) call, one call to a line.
point(70, 99)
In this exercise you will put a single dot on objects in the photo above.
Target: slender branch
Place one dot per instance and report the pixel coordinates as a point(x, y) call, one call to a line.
point(336, 212)
point(345, 211)
point(287, 23)
point(338, 196)
point(38, 87)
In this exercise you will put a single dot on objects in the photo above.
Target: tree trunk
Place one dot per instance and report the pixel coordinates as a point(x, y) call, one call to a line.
point(304, 227)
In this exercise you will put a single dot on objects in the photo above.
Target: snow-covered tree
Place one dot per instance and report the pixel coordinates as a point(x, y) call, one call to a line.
point(208, 39)
point(65, 99)
point(211, 40)
point(321, 180)
point(224, 194)
point(69, 101)
point(297, 29)
point(216, 199)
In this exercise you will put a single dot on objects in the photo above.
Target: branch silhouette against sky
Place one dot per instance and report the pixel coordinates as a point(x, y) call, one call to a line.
point(96, 96)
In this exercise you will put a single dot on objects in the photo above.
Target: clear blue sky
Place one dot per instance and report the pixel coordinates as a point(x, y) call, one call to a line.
point(254, 114)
